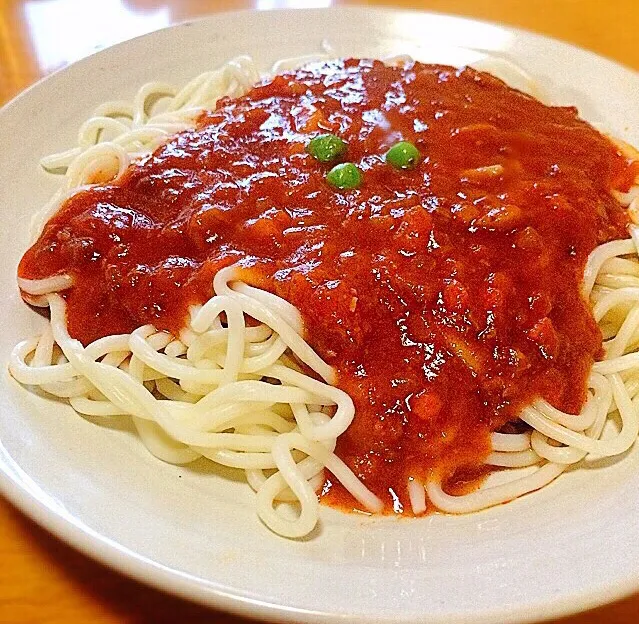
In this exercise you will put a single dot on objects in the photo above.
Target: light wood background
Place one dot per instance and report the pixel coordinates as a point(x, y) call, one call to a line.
point(45, 581)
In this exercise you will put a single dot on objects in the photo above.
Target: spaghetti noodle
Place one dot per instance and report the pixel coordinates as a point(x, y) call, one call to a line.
point(240, 384)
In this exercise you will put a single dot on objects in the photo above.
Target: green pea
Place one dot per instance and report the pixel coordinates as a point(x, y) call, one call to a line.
point(403, 155)
point(344, 176)
point(326, 147)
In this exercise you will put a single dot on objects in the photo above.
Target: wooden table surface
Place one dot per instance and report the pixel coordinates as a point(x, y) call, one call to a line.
point(42, 579)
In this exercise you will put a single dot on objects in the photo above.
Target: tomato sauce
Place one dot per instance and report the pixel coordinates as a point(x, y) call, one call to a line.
point(446, 296)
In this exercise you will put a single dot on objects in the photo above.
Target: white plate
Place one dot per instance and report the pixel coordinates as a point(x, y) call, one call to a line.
point(193, 531)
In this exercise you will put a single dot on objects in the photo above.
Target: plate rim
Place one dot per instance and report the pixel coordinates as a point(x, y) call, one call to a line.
point(214, 594)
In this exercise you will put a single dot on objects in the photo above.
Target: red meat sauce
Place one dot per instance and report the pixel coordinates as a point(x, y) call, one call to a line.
point(446, 297)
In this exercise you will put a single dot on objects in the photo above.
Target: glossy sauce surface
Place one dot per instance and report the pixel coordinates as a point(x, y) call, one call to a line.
point(446, 296)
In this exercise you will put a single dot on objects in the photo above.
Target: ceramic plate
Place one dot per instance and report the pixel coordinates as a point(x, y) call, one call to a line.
point(193, 530)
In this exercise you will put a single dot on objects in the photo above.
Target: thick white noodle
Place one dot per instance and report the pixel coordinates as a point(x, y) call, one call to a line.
point(417, 496)
point(490, 496)
point(232, 422)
